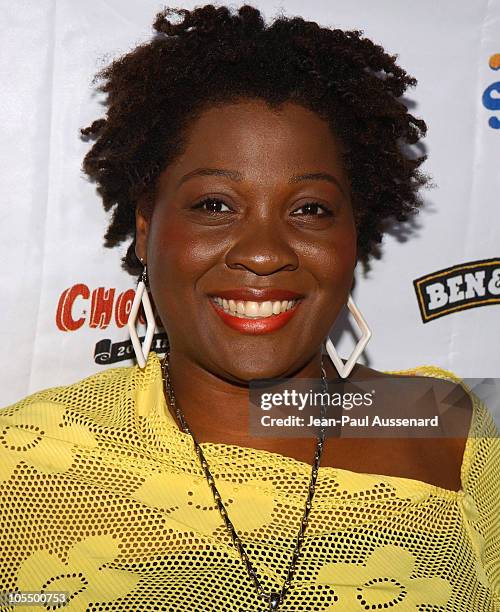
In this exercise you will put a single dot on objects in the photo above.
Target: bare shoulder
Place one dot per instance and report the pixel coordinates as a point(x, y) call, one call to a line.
point(432, 387)
point(435, 391)
point(434, 457)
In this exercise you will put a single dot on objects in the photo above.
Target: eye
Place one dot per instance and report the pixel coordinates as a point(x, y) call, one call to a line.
point(314, 209)
point(212, 205)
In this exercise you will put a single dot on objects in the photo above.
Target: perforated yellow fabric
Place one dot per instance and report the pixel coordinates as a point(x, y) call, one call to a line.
point(102, 496)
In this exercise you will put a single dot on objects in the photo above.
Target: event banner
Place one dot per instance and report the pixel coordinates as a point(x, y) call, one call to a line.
point(431, 298)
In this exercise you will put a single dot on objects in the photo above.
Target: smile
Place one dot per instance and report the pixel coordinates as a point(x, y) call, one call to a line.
point(253, 317)
point(254, 310)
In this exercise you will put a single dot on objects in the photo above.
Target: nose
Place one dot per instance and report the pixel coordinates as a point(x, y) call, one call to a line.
point(263, 249)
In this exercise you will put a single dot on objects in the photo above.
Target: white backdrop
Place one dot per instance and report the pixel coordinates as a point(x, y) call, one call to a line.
point(52, 220)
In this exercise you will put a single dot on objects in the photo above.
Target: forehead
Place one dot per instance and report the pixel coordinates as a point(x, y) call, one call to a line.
point(251, 134)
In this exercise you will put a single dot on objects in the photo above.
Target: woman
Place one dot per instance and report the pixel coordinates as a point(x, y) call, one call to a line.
point(254, 166)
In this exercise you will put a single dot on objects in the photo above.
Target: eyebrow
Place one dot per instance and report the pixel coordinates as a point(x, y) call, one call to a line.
point(317, 176)
point(237, 176)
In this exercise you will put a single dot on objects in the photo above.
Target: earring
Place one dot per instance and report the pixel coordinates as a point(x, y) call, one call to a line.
point(345, 370)
point(141, 296)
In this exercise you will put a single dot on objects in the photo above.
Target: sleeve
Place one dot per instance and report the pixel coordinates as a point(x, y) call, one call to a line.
point(482, 487)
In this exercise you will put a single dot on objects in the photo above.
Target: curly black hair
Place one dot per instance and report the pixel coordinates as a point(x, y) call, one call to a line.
point(212, 55)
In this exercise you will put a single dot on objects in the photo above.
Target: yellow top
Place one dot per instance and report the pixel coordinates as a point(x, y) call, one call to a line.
point(102, 496)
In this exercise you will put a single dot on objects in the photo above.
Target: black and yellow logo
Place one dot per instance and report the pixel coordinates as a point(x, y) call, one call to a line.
point(468, 285)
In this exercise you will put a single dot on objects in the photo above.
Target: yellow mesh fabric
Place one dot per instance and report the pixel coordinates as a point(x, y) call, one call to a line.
point(102, 496)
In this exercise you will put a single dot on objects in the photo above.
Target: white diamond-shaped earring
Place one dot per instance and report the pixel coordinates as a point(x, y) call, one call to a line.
point(141, 296)
point(345, 370)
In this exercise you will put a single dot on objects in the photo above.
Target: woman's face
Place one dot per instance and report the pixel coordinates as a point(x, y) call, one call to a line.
point(258, 200)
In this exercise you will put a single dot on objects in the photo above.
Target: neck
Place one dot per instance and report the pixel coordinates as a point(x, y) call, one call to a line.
point(217, 410)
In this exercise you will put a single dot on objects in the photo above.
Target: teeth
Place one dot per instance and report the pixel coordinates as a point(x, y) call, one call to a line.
point(266, 309)
point(250, 309)
point(253, 310)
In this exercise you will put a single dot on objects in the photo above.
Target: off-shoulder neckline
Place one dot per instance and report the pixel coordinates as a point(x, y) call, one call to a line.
point(422, 486)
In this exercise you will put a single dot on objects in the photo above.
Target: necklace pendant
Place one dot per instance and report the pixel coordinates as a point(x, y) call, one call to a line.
point(274, 601)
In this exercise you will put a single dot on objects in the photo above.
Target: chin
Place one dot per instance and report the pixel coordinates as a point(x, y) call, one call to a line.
point(243, 372)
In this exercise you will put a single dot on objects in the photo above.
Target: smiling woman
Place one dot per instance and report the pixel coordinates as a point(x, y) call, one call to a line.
point(253, 167)
point(264, 221)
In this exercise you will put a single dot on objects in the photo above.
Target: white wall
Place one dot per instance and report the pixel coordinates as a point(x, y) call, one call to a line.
point(53, 222)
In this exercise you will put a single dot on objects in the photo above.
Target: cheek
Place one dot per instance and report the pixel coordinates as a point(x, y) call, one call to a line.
point(179, 255)
point(334, 259)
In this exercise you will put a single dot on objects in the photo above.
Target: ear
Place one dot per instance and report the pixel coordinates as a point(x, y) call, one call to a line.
point(142, 220)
